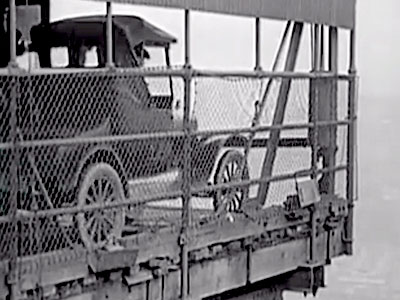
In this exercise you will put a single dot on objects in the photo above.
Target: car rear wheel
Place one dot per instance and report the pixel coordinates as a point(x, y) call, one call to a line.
point(228, 170)
point(100, 185)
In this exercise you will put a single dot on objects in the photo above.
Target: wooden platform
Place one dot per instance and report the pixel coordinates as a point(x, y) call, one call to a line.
point(249, 248)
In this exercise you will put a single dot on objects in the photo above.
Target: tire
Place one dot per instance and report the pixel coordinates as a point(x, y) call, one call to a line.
point(100, 184)
point(231, 199)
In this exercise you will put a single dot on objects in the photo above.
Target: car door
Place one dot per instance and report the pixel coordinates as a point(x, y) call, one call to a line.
point(134, 114)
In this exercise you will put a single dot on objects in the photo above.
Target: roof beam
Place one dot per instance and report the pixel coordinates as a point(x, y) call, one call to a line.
point(338, 13)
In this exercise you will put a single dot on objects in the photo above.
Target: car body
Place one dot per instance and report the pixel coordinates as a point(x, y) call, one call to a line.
point(97, 104)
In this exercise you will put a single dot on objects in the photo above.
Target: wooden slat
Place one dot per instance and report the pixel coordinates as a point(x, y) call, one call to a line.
point(340, 13)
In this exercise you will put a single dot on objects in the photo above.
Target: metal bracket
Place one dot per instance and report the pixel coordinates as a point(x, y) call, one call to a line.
point(100, 261)
point(332, 222)
point(160, 266)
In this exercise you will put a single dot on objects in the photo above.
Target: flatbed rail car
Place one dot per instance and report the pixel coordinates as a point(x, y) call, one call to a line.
point(122, 182)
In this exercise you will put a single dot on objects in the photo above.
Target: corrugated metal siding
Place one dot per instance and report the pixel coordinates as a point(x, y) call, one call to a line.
point(339, 13)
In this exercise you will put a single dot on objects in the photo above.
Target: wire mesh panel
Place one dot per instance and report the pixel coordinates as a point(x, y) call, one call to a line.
point(100, 160)
point(92, 139)
point(225, 103)
point(232, 103)
point(7, 226)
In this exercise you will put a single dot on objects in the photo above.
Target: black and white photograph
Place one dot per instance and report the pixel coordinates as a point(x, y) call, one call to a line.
point(199, 149)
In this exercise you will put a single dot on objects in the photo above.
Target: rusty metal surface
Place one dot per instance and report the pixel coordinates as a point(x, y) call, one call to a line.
point(339, 13)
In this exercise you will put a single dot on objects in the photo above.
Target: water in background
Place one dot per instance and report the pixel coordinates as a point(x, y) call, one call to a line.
point(372, 272)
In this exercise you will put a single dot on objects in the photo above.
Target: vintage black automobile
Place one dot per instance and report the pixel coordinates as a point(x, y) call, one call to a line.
point(102, 103)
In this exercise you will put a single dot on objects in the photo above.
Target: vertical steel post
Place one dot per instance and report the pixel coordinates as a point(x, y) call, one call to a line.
point(187, 162)
point(333, 102)
point(257, 46)
point(333, 49)
point(317, 48)
point(109, 36)
point(13, 32)
point(314, 100)
point(13, 257)
point(187, 39)
point(351, 146)
point(12, 276)
point(168, 61)
point(322, 48)
point(316, 65)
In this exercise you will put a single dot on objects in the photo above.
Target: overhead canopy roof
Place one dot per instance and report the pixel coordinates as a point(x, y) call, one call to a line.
point(135, 29)
point(340, 13)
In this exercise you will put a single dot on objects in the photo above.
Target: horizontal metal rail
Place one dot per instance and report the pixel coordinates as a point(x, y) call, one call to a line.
point(267, 128)
point(169, 134)
point(180, 72)
point(167, 196)
point(282, 177)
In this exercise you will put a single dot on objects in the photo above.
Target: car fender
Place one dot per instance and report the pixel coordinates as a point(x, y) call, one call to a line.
point(221, 144)
point(101, 153)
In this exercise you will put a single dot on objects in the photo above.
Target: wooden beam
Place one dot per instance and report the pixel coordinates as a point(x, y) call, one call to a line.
point(280, 111)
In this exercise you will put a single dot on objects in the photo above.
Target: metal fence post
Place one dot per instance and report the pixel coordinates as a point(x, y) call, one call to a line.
point(314, 103)
point(186, 188)
point(351, 147)
point(109, 35)
point(13, 32)
point(13, 255)
point(316, 39)
point(257, 45)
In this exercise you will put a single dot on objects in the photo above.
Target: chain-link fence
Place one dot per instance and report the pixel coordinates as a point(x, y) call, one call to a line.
point(91, 160)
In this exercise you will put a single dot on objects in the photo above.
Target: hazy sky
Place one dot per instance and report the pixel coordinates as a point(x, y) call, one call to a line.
point(227, 42)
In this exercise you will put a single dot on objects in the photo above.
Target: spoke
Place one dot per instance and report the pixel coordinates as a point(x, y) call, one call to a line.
point(235, 166)
point(100, 190)
point(108, 220)
point(237, 173)
point(90, 200)
point(110, 199)
point(90, 223)
point(99, 229)
point(108, 225)
point(95, 194)
point(92, 233)
point(229, 167)
point(237, 201)
point(224, 199)
point(229, 206)
point(107, 189)
point(226, 177)
point(232, 168)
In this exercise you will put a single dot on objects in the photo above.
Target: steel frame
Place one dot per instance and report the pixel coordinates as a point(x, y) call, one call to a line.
point(188, 73)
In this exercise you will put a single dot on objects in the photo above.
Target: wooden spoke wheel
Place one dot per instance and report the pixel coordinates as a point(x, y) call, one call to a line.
point(229, 170)
point(100, 185)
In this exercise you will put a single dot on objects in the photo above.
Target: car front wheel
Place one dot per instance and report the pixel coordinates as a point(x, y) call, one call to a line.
point(229, 171)
point(100, 185)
